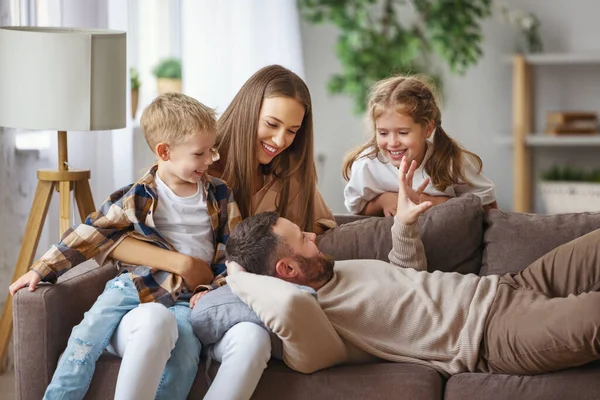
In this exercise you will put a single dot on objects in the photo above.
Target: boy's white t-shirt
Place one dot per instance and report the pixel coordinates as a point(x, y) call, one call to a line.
point(184, 222)
point(371, 177)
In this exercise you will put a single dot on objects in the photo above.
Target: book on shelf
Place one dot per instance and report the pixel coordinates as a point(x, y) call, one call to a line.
point(571, 122)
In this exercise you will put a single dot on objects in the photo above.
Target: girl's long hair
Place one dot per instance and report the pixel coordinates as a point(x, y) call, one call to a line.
point(237, 138)
point(414, 96)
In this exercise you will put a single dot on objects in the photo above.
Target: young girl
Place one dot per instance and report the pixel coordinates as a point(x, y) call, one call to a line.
point(265, 140)
point(405, 118)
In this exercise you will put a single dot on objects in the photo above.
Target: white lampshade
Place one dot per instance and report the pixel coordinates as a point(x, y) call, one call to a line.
point(62, 79)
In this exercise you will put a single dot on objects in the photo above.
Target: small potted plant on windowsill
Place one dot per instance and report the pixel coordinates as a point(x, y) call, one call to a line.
point(569, 189)
point(135, 83)
point(168, 75)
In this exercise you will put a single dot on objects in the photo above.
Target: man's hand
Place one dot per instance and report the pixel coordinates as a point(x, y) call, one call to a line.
point(234, 268)
point(409, 209)
point(197, 297)
point(196, 272)
point(388, 202)
point(30, 279)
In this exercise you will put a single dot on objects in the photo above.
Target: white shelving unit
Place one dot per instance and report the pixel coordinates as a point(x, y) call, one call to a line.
point(524, 139)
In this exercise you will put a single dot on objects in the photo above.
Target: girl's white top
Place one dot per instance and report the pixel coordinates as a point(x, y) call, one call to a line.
point(370, 177)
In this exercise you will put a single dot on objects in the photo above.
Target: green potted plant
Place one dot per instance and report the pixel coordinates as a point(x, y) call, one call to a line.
point(568, 189)
point(376, 39)
point(135, 83)
point(168, 75)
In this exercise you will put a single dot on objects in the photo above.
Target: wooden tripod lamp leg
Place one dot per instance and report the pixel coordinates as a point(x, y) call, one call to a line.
point(64, 187)
point(47, 180)
point(35, 224)
point(83, 196)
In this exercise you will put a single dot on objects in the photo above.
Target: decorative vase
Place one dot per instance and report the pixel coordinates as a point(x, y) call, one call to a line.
point(135, 93)
point(166, 85)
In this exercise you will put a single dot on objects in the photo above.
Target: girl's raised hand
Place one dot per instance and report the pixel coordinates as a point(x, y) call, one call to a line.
point(409, 209)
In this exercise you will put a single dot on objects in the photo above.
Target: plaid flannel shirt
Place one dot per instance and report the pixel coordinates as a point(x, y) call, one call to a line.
point(129, 211)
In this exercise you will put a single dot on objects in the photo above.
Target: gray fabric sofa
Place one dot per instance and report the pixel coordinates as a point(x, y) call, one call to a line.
point(458, 237)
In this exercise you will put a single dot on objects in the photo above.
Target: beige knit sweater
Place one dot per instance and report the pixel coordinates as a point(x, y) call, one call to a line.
point(397, 312)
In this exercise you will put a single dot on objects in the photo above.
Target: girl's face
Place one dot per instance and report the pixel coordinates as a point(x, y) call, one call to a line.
point(279, 120)
point(398, 135)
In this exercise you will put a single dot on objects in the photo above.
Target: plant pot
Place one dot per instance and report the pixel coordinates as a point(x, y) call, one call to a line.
point(135, 94)
point(166, 85)
point(570, 197)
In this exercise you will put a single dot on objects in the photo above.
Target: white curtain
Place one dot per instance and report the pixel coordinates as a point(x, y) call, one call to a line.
point(224, 42)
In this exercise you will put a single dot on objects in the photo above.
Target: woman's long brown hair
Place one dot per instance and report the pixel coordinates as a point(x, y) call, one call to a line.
point(414, 96)
point(237, 138)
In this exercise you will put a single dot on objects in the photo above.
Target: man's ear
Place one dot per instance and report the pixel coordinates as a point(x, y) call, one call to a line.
point(163, 151)
point(286, 268)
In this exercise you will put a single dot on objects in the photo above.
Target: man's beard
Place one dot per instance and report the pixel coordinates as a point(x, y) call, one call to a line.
point(317, 269)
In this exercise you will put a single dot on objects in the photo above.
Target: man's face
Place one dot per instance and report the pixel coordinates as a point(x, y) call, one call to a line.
point(312, 268)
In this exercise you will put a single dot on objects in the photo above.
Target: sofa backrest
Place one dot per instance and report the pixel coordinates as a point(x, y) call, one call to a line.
point(512, 240)
point(451, 232)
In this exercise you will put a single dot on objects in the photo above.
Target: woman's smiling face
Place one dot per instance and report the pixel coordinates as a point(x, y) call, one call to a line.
point(279, 120)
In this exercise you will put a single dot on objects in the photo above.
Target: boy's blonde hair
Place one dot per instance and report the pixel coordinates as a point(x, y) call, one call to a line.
point(415, 96)
point(172, 118)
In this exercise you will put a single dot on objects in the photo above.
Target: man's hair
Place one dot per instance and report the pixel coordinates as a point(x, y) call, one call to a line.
point(255, 246)
point(173, 118)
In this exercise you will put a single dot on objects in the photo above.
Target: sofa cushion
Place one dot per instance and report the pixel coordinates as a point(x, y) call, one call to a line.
point(512, 241)
point(379, 381)
point(451, 234)
point(576, 383)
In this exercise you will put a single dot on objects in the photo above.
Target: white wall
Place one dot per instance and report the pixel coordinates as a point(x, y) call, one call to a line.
point(477, 107)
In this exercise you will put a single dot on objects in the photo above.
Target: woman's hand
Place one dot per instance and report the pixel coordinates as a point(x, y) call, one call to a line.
point(197, 297)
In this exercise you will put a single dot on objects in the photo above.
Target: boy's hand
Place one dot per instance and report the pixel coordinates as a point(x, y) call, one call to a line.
point(30, 279)
point(196, 272)
point(409, 209)
point(388, 202)
point(197, 297)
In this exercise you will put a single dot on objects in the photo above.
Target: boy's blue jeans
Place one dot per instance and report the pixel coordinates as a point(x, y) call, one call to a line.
point(88, 340)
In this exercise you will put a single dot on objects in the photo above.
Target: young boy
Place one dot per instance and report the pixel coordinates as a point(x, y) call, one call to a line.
point(145, 309)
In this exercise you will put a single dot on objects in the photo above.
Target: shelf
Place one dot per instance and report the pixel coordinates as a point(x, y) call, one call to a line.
point(561, 58)
point(541, 139)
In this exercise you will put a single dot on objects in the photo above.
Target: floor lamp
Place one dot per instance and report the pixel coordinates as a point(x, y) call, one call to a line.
point(62, 79)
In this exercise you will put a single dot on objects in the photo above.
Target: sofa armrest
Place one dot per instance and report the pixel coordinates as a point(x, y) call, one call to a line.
point(43, 320)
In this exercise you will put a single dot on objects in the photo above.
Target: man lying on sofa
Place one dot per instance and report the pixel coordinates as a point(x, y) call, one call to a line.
point(543, 319)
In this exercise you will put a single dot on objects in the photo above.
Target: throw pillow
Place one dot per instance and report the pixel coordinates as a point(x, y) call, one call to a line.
point(512, 240)
point(451, 233)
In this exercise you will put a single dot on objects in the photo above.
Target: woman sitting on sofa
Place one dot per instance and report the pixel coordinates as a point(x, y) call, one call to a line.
point(265, 140)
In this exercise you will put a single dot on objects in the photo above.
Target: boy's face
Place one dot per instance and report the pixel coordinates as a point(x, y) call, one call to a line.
point(189, 160)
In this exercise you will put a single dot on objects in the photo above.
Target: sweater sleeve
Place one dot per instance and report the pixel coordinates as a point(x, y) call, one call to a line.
point(309, 341)
point(407, 247)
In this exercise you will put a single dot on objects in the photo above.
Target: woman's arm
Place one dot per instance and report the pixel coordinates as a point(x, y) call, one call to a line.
point(194, 271)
